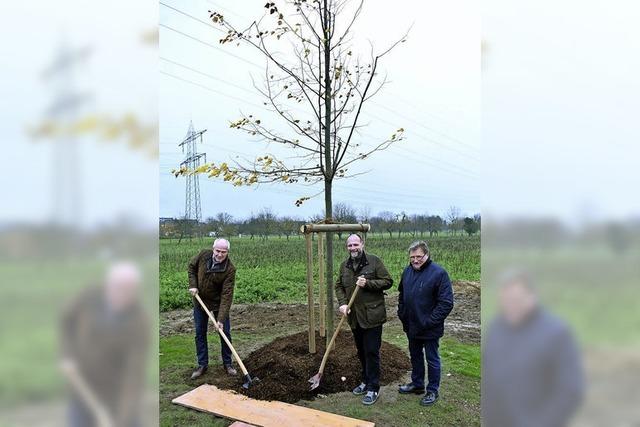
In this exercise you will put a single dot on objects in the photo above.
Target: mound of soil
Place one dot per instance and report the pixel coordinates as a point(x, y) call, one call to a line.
point(284, 367)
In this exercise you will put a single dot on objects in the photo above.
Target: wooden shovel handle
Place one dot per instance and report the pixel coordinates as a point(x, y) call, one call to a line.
point(335, 334)
point(224, 337)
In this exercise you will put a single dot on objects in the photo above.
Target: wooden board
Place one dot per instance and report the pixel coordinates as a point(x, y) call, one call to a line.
point(241, 424)
point(227, 404)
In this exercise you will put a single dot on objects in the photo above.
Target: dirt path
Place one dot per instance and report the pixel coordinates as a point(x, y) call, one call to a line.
point(463, 322)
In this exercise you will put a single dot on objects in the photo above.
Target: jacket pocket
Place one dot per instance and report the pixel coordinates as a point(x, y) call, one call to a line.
point(376, 312)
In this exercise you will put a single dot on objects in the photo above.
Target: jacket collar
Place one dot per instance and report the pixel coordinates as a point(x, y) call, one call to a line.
point(217, 268)
point(424, 266)
point(363, 261)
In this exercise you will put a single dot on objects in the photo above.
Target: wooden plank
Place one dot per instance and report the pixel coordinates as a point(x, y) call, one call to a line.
point(310, 302)
point(322, 290)
point(241, 424)
point(227, 404)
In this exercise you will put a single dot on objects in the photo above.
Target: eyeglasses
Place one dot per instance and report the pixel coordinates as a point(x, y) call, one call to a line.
point(416, 257)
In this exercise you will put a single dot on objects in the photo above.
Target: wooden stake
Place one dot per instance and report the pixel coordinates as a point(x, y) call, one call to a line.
point(310, 299)
point(322, 294)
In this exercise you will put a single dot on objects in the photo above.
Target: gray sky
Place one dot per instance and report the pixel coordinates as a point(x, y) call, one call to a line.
point(560, 100)
point(434, 94)
point(120, 76)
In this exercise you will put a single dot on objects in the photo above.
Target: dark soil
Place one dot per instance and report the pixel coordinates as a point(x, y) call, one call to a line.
point(284, 367)
point(463, 323)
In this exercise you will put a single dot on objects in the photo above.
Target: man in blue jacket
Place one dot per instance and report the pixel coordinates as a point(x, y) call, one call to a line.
point(425, 300)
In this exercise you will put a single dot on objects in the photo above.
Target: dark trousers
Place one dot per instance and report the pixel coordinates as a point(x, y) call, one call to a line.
point(418, 349)
point(368, 342)
point(201, 324)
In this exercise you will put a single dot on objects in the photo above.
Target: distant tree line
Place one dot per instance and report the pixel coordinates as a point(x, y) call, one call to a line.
point(266, 223)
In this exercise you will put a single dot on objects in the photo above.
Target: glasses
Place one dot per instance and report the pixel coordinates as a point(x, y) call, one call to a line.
point(414, 257)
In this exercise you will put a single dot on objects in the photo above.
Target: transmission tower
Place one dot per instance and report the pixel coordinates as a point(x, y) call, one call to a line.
point(67, 100)
point(192, 209)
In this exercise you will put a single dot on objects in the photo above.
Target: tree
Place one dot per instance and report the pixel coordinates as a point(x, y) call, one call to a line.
point(323, 76)
point(289, 226)
point(388, 221)
point(478, 219)
point(266, 222)
point(401, 222)
point(223, 224)
point(470, 226)
point(345, 214)
point(452, 218)
point(434, 224)
point(364, 214)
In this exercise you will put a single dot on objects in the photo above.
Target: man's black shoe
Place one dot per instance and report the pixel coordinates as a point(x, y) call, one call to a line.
point(360, 390)
point(429, 399)
point(198, 372)
point(370, 398)
point(410, 389)
point(230, 370)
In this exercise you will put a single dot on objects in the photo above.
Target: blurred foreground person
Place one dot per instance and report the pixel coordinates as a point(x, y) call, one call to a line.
point(531, 368)
point(105, 337)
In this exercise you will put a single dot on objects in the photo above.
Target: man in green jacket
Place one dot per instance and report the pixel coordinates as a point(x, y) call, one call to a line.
point(212, 275)
point(368, 312)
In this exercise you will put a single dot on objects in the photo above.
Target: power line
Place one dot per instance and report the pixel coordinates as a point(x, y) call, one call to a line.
point(209, 45)
point(192, 17)
point(464, 172)
point(425, 138)
point(206, 74)
point(426, 127)
point(209, 89)
point(374, 103)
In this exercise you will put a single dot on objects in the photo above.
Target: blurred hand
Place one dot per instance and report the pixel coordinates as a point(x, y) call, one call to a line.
point(361, 281)
point(68, 366)
point(193, 291)
point(220, 326)
point(343, 309)
point(103, 418)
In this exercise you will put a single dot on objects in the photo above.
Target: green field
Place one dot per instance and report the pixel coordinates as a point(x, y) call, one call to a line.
point(274, 269)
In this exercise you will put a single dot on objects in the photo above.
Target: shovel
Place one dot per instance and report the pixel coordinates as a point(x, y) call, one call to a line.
point(247, 378)
point(315, 380)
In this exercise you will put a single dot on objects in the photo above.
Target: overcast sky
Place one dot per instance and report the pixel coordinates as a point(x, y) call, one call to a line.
point(434, 93)
point(118, 77)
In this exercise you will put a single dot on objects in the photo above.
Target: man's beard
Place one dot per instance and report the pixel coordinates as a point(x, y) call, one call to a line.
point(356, 254)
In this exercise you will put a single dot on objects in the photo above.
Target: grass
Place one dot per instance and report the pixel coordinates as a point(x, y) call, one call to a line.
point(274, 269)
point(459, 403)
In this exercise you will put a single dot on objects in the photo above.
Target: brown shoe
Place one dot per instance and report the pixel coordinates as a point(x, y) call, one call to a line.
point(230, 370)
point(198, 372)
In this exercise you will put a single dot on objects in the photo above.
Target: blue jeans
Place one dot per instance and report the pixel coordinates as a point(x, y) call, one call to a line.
point(201, 324)
point(418, 349)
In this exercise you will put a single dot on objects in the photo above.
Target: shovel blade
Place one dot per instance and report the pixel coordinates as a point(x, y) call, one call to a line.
point(315, 381)
point(248, 381)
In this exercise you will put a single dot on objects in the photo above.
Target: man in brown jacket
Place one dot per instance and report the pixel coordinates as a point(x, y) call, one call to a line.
point(368, 312)
point(212, 275)
point(105, 342)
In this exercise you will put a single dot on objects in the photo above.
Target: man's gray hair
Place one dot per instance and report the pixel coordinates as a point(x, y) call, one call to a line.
point(516, 275)
point(419, 244)
point(215, 242)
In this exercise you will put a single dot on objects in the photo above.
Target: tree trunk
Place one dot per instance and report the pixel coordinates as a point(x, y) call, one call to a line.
point(328, 170)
